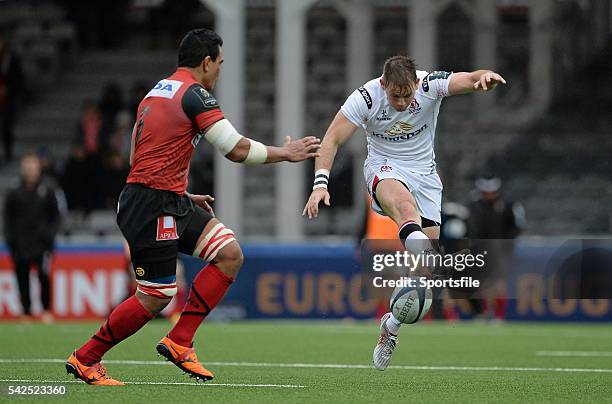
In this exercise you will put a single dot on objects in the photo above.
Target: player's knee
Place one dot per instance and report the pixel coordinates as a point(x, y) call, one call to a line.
point(231, 255)
point(230, 259)
point(153, 304)
point(406, 210)
point(214, 241)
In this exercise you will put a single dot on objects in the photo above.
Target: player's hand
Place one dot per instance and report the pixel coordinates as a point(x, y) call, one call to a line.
point(312, 206)
point(203, 202)
point(302, 149)
point(488, 81)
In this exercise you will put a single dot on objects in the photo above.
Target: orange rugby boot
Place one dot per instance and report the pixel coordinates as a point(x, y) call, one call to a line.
point(184, 358)
point(94, 374)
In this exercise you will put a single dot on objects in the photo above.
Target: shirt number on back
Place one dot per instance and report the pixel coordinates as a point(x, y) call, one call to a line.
point(140, 124)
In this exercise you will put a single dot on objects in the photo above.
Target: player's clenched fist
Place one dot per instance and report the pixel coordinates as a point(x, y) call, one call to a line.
point(312, 206)
point(302, 149)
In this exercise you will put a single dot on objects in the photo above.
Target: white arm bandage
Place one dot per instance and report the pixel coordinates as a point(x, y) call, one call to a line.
point(258, 153)
point(223, 136)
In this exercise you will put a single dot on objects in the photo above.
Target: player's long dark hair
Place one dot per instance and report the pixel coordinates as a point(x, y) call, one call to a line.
point(196, 45)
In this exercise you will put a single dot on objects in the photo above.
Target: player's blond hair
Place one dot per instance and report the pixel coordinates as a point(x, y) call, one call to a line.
point(400, 71)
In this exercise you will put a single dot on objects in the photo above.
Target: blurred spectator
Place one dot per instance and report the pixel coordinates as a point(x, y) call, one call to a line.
point(111, 103)
point(115, 175)
point(491, 216)
point(74, 178)
point(31, 222)
point(87, 158)
point(50, 176)
point(121, 136)
point(11, 85)
point(47, 165)
point(492, 225)
point(137, 93)
point(453, 230)
point(97, 166)
point(453, 238)
point(89, 128)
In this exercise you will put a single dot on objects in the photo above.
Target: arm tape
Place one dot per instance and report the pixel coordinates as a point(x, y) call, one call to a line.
point(258, 153)
point(223, 136)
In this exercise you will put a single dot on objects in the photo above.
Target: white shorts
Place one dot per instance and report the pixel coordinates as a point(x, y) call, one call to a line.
point(425, 188)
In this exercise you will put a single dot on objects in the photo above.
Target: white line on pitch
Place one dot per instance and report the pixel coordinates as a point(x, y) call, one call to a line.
point(573, 353)
point(336, 366)
point(289, 386)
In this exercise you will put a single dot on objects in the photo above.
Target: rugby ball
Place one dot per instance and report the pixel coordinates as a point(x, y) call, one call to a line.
point(410, 304)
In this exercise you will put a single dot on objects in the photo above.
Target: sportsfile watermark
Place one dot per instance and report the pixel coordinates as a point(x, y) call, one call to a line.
point(425, 282)
point(527, 268)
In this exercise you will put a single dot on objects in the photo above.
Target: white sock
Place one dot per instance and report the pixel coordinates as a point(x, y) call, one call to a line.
point(417, 242)
point(393, 325)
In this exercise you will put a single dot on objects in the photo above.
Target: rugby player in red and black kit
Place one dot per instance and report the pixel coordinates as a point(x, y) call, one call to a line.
point(159, 218)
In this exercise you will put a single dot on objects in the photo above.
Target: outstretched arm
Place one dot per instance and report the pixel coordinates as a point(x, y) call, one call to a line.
point(339, 131)
point(292, 151)
point(203, 110)
point(479, 80)
point(241, 149)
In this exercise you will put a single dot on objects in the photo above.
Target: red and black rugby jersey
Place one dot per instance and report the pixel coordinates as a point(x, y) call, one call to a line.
point(170, 120)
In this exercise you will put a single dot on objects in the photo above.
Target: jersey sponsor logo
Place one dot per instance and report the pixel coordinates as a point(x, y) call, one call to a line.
point(196, 139)
point(414, 107)
point(165, 88)
point(384, 116)
point(399, 133)
point(398, 129)
point(425, 84)
point(386, 169)
point(166, 228)
point(366, 96)
point(437, 75)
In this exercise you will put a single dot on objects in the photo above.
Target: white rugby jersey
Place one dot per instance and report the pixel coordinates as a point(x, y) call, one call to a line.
point(407, 135)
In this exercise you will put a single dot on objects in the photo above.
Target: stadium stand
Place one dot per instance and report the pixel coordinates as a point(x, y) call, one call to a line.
point(519, 145)
point(563, 159)
point(259, 116)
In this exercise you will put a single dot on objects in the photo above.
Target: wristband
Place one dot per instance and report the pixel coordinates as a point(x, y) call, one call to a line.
point(321, 179)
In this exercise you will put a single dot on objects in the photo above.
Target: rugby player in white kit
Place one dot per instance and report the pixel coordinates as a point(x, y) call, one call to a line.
point(398, 112)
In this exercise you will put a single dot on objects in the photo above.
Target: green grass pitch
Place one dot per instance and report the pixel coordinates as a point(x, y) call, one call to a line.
point(329, 362)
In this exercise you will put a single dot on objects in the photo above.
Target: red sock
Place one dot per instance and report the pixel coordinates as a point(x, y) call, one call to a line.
point(124, 320)
point(208, 288)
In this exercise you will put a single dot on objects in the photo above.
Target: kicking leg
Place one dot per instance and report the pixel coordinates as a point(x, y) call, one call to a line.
point(399, 204)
